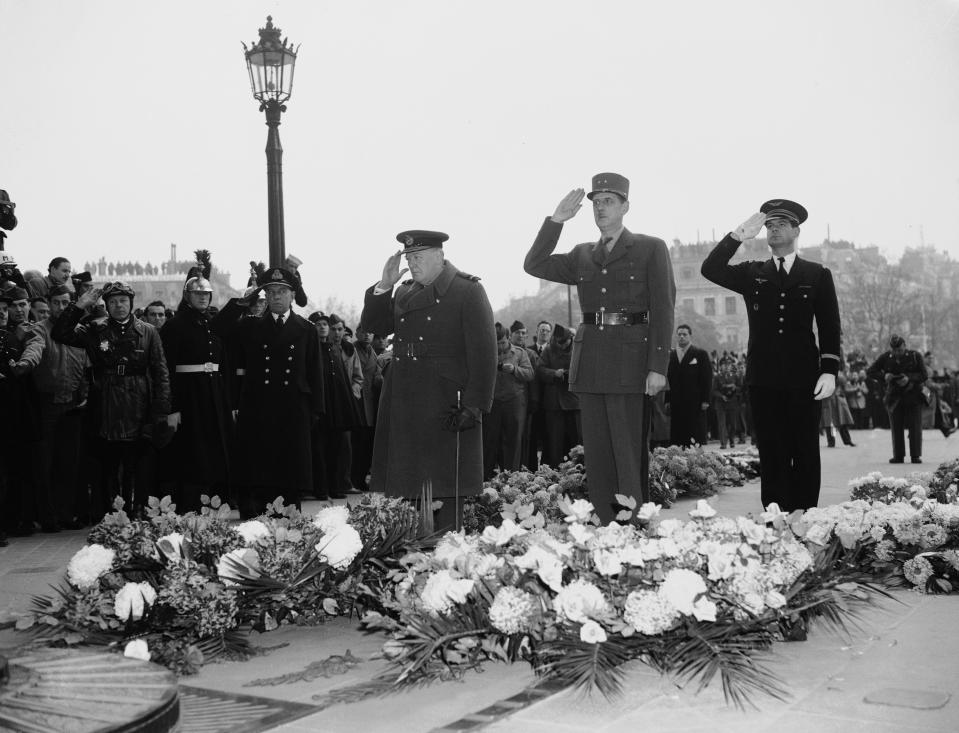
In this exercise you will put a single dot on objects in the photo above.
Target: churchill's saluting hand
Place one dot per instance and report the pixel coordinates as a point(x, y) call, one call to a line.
point(392, 272)
point(568, 207)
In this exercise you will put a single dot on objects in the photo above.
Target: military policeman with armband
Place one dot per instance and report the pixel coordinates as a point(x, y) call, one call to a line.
point(621, 350)
point(787, 373)
point(429, 442)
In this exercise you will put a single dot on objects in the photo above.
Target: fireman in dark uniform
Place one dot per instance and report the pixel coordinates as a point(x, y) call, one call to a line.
point(621, 350)
point(195, 462)
point(787, 373)
point(280, 398)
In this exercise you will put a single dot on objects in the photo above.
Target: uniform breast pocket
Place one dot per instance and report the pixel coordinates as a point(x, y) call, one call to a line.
point(631, 284)
point(804, 298)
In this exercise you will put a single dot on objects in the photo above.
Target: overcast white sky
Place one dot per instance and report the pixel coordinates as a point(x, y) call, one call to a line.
point(129, 125)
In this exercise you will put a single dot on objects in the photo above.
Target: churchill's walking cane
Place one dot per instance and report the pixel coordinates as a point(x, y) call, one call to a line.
point(456, 482)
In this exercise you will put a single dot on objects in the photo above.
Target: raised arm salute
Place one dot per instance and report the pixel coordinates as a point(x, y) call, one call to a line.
point(786, 371)
point(621, 350)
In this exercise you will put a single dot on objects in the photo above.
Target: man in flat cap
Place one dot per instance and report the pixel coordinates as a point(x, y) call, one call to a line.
point(428, 443)
point(787, 373)
point(279, 398)
point(621, 350)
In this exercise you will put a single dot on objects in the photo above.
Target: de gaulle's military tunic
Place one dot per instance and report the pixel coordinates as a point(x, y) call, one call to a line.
point(609, 364)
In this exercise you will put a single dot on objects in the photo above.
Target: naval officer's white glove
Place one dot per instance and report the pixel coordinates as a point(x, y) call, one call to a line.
point(825, 386)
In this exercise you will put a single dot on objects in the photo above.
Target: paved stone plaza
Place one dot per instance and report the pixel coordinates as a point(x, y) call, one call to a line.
point(895, 674)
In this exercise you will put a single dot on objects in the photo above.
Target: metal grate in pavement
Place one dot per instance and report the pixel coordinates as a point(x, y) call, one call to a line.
point(212, 711)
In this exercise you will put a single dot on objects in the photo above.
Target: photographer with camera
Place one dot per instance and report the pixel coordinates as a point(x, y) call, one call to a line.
point(903, 372)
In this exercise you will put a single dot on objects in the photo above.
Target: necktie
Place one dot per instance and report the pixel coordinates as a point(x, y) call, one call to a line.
point(279, 323)
point(782, 267)
point(605, 242)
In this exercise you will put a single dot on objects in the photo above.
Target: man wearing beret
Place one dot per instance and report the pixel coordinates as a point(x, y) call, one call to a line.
point(787, 373)
point(280, 398)
point(428, 442)
point(621, 350)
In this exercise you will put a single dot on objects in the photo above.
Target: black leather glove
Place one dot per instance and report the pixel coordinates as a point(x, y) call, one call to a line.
point(461, 418)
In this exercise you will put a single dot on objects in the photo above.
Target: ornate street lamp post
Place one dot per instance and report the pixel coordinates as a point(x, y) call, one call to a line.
point(270, 63)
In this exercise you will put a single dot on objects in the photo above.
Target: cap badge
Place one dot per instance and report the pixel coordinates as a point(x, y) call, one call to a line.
point(277, 275)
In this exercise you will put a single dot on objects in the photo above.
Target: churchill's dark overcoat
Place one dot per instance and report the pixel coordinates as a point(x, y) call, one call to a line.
point(443, 342)
point(280, 397)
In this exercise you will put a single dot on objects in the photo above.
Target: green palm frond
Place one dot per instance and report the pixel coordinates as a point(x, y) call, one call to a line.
point(729, 649)
point(583, 665)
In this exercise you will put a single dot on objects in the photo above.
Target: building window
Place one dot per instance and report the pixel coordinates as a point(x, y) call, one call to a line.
point(731, 305)
point(710, 304)
point(689, 304)
point(687, 273)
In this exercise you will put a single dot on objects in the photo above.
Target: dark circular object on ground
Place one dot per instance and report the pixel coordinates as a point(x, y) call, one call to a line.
point(80, 691)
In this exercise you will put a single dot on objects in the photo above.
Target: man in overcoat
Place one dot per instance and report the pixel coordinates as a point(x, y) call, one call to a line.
point(130, 394)
point(903, 372)
point(280, 398)
point(621, 350)
point(690, 377)
point(428, 439)
point(787, 373)
point(196, 460)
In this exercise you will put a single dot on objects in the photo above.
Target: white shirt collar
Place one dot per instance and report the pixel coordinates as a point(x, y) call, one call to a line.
point(788, 261)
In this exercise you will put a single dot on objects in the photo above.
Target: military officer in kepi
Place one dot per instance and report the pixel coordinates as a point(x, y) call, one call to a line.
point(196, 460)
point(787, 373)
point(621, 350)
point(428, 443)
point(280, 397)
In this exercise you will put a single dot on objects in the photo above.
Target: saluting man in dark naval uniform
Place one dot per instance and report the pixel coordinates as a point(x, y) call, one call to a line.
point(621, 350)
point(786, 372)
point(280, 397)
point(429, 439)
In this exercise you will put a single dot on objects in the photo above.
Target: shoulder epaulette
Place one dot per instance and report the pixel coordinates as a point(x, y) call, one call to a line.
point(471, 278)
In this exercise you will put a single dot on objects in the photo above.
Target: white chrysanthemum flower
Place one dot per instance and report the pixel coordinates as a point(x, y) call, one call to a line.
point(884, 550)
point(580, 510)
point(331, 517)
point(513, 610)
point(649, 612)
point(579, 601)
point(443, 590)
point(547, 566)
point(340, 545)
point(454, 548)
point(774, 599)
point(607, 562)
point(252, 530)
point(917, 570)
point(932, 536)
point(681, 588)
point(88, 564)
point(703, 510)
point(819, 534)
point(132, 600)
point(581, 533)
point(704, 609)
point(647, 511)
point(503, 534)
point(592, 633)
point(482, 564)
point(137, 649)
